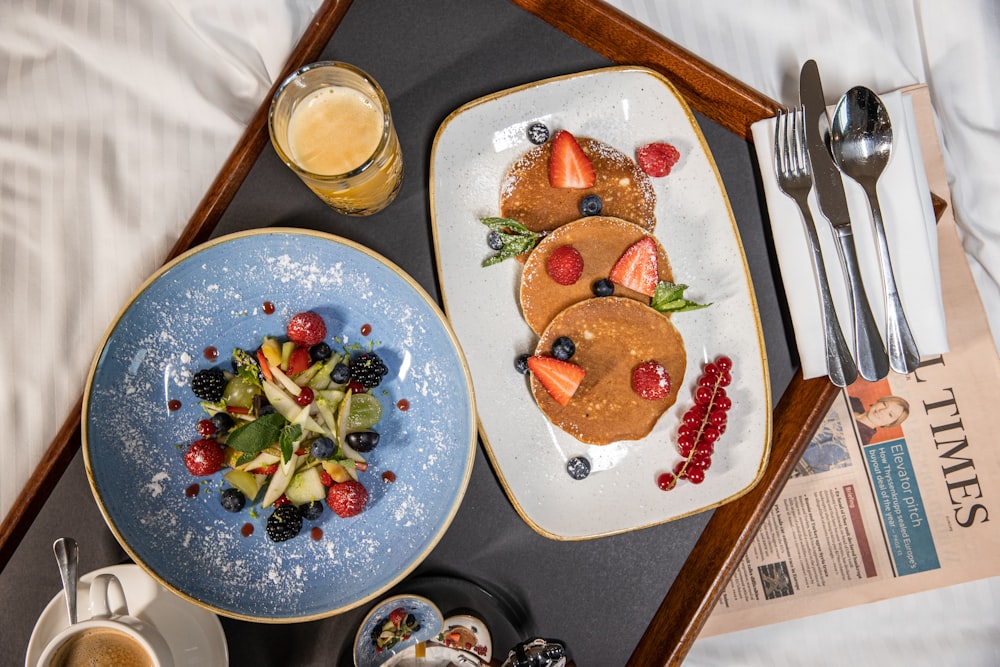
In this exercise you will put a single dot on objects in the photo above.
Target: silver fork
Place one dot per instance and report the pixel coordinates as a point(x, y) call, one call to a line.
point(791, 164)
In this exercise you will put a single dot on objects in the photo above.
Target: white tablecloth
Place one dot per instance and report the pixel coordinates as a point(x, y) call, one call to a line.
point(884, 44)
point(116, 115)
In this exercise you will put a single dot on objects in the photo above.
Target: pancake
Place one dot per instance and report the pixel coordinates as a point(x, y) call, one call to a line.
point(626, 192)
point(612, 335)
point(600, 241)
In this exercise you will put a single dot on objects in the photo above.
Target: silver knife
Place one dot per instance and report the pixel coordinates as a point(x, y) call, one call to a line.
point(873, 362)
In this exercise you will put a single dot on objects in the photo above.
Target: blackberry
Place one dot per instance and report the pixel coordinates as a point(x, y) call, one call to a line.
point(222, 422)
point(368, 370)
point(363, 441)
point(341, 374)
point(538, 133)
point(312, 510)
point(591, 205)
point(603, 287)
point(232, 500)
point(319, 352)
point(521, 364)
point(578, 467)
point(284, 523)
point(209, 384)
point(563, 348)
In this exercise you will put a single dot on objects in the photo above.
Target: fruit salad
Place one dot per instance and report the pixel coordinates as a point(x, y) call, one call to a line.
point(289, 425)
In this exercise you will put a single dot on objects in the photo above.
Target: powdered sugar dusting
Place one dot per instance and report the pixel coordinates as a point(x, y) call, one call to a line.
point(136, 442)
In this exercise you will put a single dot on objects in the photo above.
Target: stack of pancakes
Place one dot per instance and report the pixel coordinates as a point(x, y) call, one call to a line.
point(612, 334)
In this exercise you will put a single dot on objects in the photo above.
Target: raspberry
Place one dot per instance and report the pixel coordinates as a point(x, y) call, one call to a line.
point(306, 328)
point(651, 381)
point(204, 457)
point(347, 499)
point(284, 523)
point(657, 159)
point(209, 384)
point(565, 265)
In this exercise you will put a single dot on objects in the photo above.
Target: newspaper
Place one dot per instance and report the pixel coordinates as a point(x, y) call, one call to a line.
point(898, 491)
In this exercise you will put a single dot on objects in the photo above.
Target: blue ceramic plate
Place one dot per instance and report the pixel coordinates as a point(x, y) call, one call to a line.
point(134, 433)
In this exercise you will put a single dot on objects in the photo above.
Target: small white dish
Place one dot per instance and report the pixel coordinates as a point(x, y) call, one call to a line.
point(626, 107)
point(463, 640)
point(195, 636)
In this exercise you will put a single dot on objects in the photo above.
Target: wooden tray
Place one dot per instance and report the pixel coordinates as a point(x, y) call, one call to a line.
point(733, 105)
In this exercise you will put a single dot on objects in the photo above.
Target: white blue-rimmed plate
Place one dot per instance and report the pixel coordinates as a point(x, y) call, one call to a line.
point(626, 107)
point(214, 296)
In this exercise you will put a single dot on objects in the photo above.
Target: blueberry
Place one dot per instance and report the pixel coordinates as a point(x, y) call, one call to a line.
point(563, 348)
point(341, 373)
point(322, 448)
point(494, 241)
point(312, 510)
point(521, 364)
point(222, 422)
point(578, 467)
point(604, 287)
point(232, 500)
point(591, 205)
point(363, 441)
point(266, 410)
point(538, 133)
point(320, 352)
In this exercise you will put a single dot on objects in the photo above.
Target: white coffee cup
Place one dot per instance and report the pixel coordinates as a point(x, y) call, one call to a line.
point(110, 637)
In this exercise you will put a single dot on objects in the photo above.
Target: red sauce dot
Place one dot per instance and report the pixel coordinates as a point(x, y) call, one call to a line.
point(173, 405)
point(192, 490)
point(388, 477)
point(366, 329)
point(246, 530)
point(316, 533)
point(403, 404)
point(268, 308)
point(211, 353)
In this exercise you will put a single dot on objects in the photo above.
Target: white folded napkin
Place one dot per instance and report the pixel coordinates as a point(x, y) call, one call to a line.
point(910, 229)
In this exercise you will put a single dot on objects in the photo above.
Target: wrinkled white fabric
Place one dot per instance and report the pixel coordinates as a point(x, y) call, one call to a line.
point(115, 117)
point(883, 44)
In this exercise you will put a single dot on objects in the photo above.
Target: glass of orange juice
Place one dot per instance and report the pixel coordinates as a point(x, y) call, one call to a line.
point(330, 123)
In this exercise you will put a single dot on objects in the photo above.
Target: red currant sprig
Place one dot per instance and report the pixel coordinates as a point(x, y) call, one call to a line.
point(702, 425)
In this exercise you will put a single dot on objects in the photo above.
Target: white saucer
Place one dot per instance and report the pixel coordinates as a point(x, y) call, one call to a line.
point(194, 634)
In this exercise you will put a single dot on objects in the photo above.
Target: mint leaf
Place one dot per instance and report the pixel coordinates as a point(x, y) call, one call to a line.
point(669, 298)
point(257, 435)
point(247, 367)
point(286, 440)
point(516, 238)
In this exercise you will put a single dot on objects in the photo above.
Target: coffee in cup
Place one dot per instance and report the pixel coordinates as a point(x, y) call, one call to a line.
point(101, 646)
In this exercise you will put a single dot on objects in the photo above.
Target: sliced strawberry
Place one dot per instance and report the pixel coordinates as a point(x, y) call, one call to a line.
point(565, 265)
point(638, 268)
point(560, 378)
point(569, 167)
point(299, 360)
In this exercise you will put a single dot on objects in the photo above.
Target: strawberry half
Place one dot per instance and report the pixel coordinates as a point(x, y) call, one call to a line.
point(569, 167)
point(638, 268)
point(560, 378)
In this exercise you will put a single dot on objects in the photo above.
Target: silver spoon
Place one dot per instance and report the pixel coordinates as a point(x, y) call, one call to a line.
point(68, 557)
point(860, 143)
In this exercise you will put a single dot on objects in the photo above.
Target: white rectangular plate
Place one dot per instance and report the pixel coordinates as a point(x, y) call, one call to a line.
point(626, 107)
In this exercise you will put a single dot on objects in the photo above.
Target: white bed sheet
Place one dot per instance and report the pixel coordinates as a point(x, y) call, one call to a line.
point(116, 115)
point(884, 44)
